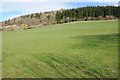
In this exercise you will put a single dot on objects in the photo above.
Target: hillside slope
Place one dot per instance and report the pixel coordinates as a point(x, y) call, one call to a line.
point(72, 50)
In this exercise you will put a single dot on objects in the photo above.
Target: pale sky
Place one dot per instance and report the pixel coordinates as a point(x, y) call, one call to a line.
point(60, 0)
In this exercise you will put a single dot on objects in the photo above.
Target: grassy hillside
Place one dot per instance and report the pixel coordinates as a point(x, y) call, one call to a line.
point(81, 49)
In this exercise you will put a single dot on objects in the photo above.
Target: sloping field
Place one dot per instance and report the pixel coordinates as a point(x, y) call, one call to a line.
point(74, 50)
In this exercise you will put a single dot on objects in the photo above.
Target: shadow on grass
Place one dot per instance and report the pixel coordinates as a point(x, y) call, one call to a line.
point(95, 41)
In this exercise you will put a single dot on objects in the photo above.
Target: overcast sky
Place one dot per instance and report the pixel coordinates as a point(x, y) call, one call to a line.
point(15, 8)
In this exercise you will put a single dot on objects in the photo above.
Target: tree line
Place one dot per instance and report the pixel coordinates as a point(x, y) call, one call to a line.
point(67, 15)
point(88, 13)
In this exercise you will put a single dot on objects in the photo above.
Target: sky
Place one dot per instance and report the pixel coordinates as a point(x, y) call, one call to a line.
point(15, 8)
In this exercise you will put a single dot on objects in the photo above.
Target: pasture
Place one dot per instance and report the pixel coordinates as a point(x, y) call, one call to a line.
point(70, 50)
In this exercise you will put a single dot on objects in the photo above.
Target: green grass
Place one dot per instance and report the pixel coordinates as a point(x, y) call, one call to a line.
point(71, 50)
point(0, 55)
